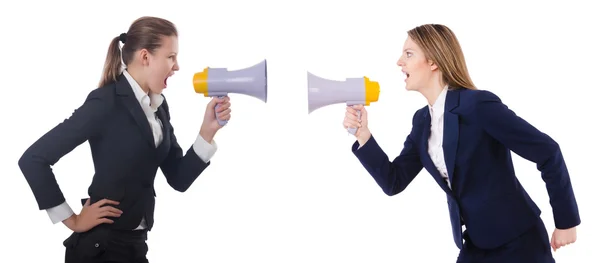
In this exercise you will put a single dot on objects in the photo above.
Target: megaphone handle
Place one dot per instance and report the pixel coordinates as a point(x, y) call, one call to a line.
point(221, 122)
point(353, 130)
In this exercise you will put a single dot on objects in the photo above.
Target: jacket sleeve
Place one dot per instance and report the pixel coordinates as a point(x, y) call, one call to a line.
point(528, 142)
point(181, 170)
point(35, 163)
point(393, 177)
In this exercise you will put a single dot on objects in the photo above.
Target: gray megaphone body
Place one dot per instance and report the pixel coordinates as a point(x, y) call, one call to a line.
point(352, 91)
point(219, 82)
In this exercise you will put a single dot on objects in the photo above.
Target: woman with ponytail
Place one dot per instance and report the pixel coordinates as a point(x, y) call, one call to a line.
point(126, 122)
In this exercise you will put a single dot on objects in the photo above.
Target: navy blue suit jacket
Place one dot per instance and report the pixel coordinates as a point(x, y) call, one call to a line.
point(125, 157)
point(479, 134)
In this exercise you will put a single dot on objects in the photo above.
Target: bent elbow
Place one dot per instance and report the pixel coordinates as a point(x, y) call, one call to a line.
point(554, 151)
point(390, 192)
point(179, 185)
point(391, 180)
point(35, 170)
point(393, 190)
point(397, 180)
point(554, 159)
point(553, 146)
point(26, 161)
point(23, 161)
point(35, 159)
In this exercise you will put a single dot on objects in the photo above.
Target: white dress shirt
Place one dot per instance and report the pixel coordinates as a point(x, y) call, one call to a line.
point(436, 138)
point(150, 103)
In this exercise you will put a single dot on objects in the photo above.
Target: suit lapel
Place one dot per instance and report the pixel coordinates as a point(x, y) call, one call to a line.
point(134, 108)
point(425, 154)
point(165, 146)
point(451, 132)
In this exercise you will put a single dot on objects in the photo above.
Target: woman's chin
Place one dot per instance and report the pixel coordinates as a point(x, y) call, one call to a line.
point(158, 89)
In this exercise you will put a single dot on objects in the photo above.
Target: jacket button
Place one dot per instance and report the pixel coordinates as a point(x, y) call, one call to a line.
point(96, 245)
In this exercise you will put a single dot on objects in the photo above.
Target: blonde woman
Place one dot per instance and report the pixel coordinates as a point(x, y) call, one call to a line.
point(464, 138)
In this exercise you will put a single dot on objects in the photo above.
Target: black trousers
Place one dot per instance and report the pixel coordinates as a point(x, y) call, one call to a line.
point(104, 245)
point(533, 246)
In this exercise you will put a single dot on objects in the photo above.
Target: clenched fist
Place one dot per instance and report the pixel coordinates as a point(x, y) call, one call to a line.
point(352, 120)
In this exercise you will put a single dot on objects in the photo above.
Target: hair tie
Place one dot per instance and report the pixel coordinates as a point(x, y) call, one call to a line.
point(123, 37)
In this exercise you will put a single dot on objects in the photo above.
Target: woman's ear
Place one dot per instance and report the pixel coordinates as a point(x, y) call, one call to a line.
point(143, 56)
point(432, 65)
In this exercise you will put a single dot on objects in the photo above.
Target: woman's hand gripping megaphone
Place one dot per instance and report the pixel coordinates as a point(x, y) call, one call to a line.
point(217, 111)
point(357, 123)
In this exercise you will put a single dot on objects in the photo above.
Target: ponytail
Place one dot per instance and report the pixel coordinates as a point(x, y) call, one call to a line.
point(144, 33)
point(112, 64)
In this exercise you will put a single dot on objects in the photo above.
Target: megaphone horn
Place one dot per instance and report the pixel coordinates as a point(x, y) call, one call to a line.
point(219, 82)
point(353, 91)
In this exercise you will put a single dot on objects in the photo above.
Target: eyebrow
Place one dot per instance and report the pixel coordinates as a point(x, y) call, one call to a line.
point(407, 49)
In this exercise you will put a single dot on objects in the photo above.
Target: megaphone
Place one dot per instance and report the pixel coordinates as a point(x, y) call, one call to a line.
point(219, 82)
point(352, 91)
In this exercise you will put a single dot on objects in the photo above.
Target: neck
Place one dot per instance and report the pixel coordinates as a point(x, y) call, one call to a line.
point(432, 92)
point(136, 75)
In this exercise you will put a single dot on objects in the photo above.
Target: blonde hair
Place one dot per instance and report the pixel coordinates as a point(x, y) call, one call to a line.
point(441, 46)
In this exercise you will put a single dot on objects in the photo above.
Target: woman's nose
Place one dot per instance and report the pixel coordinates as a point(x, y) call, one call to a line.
point(400, 63)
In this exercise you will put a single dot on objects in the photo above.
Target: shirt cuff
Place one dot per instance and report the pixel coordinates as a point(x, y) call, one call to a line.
point(60, 212)
point(203, 149)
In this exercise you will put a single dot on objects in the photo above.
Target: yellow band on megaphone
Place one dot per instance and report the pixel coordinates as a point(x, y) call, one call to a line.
point(201, 82)
point(371, 91)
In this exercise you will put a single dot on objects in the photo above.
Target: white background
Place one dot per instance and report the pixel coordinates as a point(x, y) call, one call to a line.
point(284, 185)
